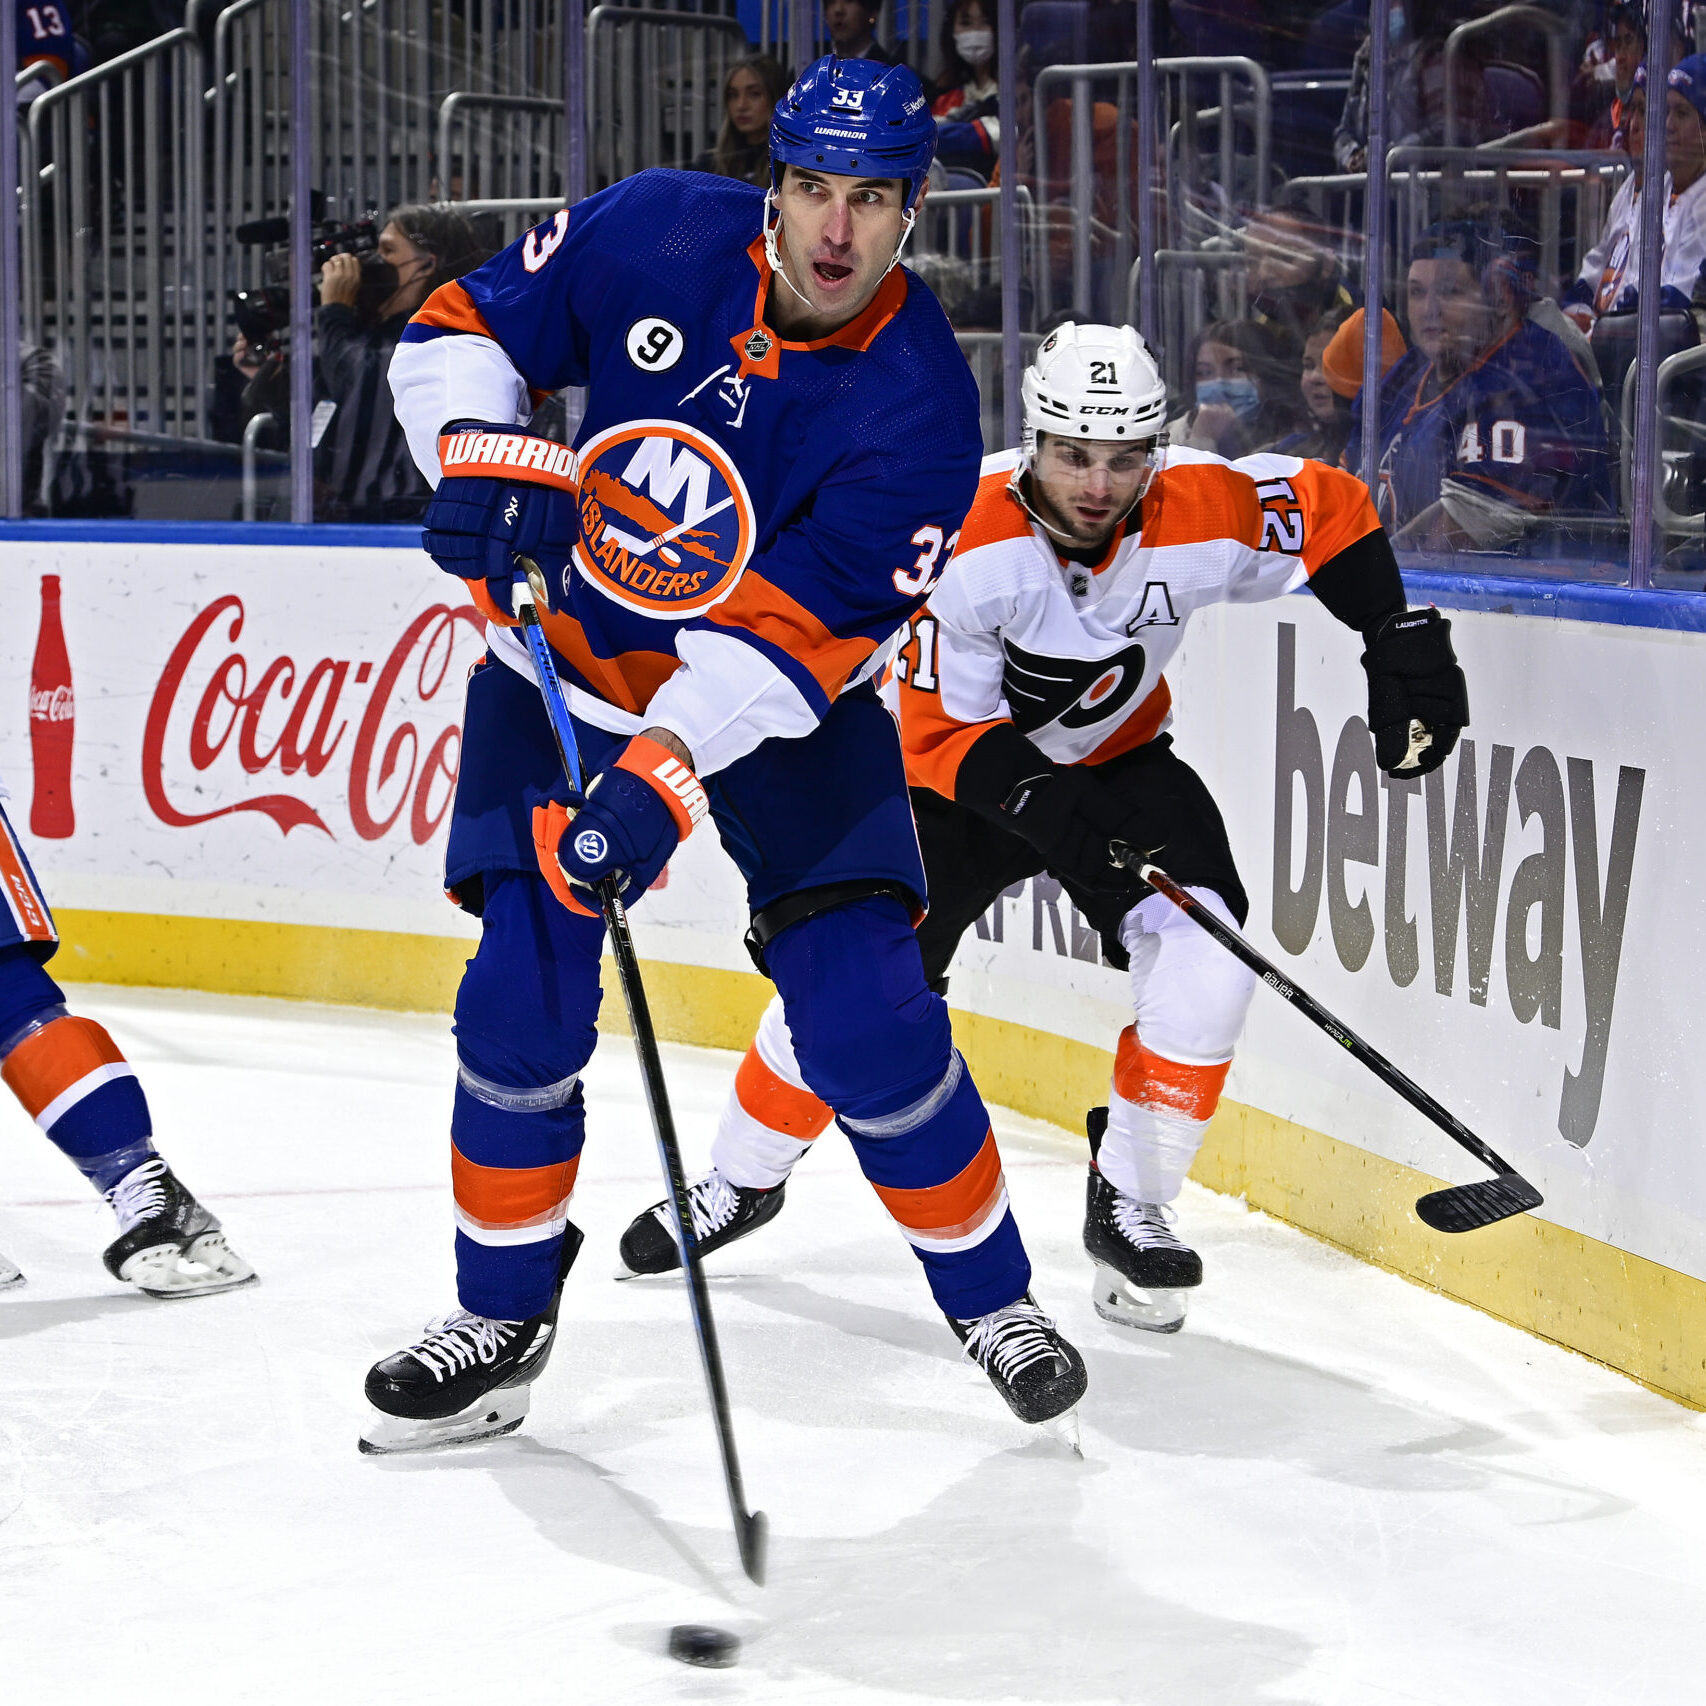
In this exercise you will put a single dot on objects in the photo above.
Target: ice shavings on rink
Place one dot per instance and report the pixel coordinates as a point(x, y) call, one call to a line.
point(1331, 1487)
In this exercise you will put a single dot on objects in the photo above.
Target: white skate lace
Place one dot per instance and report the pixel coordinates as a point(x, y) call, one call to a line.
point(459, 1340)
point(713, 1201)
point(1011, 1339)
point(1147, 1225)
point(139, 1195)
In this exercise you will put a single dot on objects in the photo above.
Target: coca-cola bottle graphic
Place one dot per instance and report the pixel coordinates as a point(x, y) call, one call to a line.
point(53, 722)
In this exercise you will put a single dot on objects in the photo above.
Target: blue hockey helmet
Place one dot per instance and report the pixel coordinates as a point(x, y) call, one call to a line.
point(856, 118)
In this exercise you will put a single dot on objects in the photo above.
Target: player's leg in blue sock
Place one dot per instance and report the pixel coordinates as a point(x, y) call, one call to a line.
point(69, 1074)
point(525, 1017)
point(873, 1040)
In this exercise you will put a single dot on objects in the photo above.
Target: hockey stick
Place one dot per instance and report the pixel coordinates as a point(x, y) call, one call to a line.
point(751, 1527)
point(1457, 1208)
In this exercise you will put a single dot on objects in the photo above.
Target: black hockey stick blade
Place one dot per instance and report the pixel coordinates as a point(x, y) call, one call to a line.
point(1457, 1208)
point(753, 1537)
point(1465, 1208)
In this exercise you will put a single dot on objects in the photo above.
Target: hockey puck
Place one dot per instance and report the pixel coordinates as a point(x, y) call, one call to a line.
point(700, 1644)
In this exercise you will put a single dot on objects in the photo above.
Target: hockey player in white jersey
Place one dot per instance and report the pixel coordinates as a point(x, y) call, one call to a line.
point(1034, 718)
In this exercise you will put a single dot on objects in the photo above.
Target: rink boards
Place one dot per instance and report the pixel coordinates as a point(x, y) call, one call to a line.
point(265, 743)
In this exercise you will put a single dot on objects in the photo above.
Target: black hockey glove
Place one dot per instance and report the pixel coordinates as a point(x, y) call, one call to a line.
point(1071, 819)
point(1413, 674)
point(505, 490)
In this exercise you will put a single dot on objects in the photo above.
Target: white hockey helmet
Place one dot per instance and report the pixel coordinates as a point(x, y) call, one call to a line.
point(1092, 382)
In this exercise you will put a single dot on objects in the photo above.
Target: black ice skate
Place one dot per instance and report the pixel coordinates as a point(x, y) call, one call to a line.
point(1029, 1363)
point(10, 1274)
point(168, 1244)
point(467, 1379)
point(1143, 1268)
point(721, 1213)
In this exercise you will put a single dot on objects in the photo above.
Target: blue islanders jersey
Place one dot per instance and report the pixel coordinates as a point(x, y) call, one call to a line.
point(1521, 427)
point(45, 37)
point(757, 517)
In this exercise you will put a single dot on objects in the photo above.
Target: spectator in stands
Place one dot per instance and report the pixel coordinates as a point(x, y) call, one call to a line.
point(1609, 280)
point(1488, 430)
point(968, 132)
point(1416, 85)
point(1244, 389)
point(1329, 423)
point(852, 27)
point(751, 90)
point(49, 50)
point(1599, 96)
point(1294, 279)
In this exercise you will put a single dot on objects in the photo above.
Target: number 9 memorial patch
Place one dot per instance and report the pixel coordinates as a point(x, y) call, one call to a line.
point(654, 346)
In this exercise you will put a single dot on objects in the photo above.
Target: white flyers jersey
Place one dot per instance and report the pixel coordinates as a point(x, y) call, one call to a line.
point(1072, 655)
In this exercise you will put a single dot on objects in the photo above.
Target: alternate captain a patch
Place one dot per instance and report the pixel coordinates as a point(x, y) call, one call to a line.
point(666, 526)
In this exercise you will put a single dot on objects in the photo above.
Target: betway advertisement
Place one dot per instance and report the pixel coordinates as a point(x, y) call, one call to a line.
point(247, 732)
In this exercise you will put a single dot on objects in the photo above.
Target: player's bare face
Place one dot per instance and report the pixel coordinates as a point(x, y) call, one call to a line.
point(837, 240)
point(1083, 491)
point(1451, 321)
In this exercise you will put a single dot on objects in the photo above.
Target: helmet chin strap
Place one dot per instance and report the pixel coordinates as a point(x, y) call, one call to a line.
point(773, 254)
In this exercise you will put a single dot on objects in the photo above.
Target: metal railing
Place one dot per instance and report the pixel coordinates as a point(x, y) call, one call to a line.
point(655, 80)
point(1558, 32)
point(113, 212)
point(1098, 195)
point(500, 146)
point(983, 352)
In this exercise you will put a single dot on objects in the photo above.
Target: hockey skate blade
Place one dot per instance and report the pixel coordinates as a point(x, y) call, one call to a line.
point(499, 1413)
point(1150, 1309)
point(205, 1266)
point(11, 1275)
point(1064, 1430)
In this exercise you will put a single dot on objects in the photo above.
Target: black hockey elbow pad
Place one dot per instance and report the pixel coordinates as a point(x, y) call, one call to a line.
point(1413, 675)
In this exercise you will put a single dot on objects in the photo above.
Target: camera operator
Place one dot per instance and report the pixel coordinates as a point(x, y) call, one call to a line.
point(363, 471)
point(362, 467)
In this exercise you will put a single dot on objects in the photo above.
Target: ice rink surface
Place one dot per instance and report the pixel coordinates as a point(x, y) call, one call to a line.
point(1331, 1487)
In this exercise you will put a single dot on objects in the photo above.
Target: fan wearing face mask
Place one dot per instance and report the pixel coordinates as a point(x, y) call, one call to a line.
point(1245, 393)
point(968, 133)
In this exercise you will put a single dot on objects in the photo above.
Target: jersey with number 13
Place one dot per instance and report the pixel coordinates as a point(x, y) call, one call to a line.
point(1072, 654)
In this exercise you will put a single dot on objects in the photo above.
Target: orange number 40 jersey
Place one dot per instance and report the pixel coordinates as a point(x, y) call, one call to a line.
point(1073, 655)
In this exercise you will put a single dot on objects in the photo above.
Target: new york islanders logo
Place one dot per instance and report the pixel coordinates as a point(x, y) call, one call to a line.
point(666, 526)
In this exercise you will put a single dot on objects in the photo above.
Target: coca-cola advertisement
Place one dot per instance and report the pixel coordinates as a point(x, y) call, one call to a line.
point(241, 732)
point(237, 732)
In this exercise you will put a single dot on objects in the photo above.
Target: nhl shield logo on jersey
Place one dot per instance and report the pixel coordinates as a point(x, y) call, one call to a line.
point(666, 525)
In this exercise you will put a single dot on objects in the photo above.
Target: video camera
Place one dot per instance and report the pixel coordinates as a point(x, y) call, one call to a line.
point(263, 316)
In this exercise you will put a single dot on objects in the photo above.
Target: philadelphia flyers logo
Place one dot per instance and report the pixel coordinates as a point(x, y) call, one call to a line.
point(1077, 693)
point(666, 525)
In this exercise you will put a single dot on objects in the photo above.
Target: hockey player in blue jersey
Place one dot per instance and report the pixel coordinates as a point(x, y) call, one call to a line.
point(1488, 428)
point(781, 441)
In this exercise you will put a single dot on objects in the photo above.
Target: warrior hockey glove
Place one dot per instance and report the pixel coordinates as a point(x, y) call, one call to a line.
point(1413, 673)
point(635, 816)
point(504, 491)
